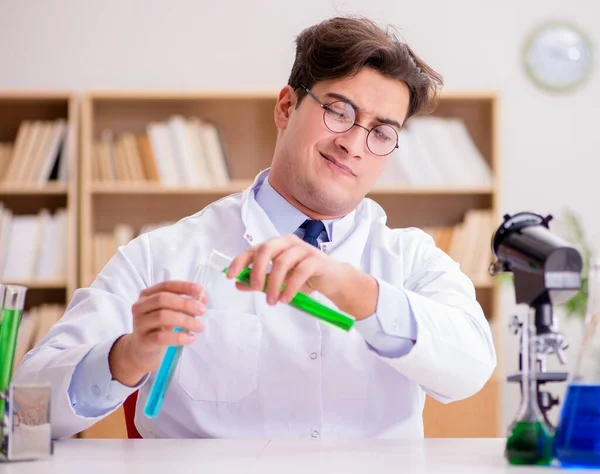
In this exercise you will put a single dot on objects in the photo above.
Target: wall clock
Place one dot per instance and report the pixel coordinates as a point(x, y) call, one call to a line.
point(558, 57)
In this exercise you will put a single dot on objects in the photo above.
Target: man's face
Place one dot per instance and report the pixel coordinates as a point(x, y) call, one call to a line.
point(328, 172)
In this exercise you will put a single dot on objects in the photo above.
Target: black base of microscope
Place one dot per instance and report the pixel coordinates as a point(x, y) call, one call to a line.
point(542, 377)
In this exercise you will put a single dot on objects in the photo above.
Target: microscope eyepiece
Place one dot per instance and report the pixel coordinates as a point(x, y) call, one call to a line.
point(543, 264)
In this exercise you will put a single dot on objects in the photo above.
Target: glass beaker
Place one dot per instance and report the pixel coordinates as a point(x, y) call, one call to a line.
point(577, 441)
point(529, 441)
point(11, 314)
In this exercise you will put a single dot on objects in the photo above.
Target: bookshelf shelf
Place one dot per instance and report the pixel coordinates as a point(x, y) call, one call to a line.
point(248, 136)
point(149, 188)
point(430, 191)
point(239, 185)
point(40, 285)
point(483, 284)
point(46, 190)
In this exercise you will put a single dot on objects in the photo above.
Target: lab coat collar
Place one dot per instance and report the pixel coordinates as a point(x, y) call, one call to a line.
point(258, 226)
point(287, 218)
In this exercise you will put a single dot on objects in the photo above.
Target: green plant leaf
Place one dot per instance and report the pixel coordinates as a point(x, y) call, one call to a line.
point(574, 233)
point(577, 305)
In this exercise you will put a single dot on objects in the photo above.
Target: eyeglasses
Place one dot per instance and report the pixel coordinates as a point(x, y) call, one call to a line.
point(340, 116)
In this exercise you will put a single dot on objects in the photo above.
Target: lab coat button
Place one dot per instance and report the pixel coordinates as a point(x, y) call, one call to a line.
point(95, 390)
point(315, 434)
point(313, 356)
point(249, 237)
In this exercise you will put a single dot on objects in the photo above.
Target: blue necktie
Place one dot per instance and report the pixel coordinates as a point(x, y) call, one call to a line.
point(312, 230)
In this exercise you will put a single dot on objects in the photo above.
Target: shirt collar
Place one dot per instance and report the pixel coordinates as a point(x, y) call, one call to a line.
point(286, 218)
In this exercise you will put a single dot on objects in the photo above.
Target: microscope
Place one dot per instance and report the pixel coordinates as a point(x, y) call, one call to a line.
point(546, 271)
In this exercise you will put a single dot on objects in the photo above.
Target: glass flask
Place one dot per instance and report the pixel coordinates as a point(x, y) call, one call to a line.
point(577, 440)
point(529, 440)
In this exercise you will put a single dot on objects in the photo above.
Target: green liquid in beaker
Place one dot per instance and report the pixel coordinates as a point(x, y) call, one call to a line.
point(529, 443)
point(11, 319)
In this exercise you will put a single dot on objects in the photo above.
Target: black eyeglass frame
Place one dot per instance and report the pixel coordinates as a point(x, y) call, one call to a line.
point(326, 107)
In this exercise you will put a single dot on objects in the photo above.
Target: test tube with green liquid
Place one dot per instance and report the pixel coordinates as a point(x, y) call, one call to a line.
point(12, 312)
point(2, 292)
point(300, 301)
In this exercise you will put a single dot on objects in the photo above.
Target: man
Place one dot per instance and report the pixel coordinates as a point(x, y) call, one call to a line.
point(252, 366)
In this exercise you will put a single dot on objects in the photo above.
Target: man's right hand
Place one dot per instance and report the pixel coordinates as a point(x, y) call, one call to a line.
point(158, 310)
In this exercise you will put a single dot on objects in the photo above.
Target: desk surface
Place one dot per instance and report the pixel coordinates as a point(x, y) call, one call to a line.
point(117, 456)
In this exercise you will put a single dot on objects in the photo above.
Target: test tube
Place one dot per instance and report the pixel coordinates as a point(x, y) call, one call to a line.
point(2, 293)
point(12, 312)
point(163, 378)
point(300, 301)
point(162, 381)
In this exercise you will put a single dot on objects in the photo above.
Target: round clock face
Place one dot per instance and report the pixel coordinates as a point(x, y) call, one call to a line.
point(558, 57)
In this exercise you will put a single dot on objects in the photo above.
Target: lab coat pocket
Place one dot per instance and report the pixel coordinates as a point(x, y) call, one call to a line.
point(222, 364)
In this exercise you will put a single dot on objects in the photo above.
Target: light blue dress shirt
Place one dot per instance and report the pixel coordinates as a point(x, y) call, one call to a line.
point(94, 393)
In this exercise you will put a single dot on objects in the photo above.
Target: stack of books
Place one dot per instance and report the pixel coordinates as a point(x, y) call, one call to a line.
point(37, 156)
point(469, 243)
point(33, 248)
point(436, 152)
point(179, 151)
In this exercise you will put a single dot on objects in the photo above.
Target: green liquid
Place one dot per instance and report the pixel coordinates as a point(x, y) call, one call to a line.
point(529, 443)
point(308, 305)
point(11, 319)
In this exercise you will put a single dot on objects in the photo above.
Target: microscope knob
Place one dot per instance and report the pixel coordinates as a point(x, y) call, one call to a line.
point(560, 353)
point(547, 401)
point(515, 324)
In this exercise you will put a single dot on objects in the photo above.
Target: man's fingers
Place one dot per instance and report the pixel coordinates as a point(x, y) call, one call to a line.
point(165, 318)
point(297, 278)
point(165, 337)
point(170, 301)
point(282, 265)
point(242, 286)
point(174, 286)
point(268, 251)
point(263, 256)
point(240, 262)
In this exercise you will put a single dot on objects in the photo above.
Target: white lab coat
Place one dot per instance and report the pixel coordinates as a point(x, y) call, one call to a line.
point(273, 372)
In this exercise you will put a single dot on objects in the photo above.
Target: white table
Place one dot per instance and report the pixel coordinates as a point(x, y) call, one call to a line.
point(117, 456)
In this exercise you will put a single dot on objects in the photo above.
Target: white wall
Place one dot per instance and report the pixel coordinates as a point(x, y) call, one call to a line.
point(550, 143)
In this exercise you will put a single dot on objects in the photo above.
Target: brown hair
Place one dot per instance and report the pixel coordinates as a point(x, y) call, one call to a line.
point(340, 47)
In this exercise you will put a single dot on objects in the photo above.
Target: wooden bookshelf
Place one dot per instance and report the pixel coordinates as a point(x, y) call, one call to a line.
point(144, 189)
point(15, 108)
point(249, 134)
point(481, 113)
